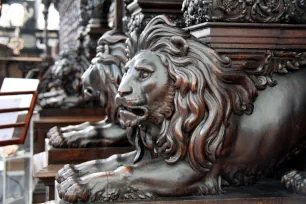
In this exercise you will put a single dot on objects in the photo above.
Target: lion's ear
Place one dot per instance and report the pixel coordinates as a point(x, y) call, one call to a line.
point(181, 44)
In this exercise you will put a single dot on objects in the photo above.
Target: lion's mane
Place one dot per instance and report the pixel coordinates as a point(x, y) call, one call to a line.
point(65, 73)
point(207, 91)
point(108, 65)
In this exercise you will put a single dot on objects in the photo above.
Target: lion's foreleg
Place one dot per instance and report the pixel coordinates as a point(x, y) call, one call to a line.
point(94, 166)
point(82, 126)
point(102, 136)
point(73, 138)
point(145, 180)
point(179, 179)
point(157, 178)
point(88, 134)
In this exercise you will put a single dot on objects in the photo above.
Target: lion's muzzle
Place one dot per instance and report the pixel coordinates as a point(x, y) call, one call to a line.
point(130, 115)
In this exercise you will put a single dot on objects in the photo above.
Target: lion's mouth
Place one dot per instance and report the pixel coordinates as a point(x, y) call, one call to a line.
point(132, 115)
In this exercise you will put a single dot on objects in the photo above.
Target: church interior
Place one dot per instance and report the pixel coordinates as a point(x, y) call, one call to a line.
point(152, 101)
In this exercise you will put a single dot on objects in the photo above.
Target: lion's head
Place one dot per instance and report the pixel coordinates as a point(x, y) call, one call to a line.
point(63, 80)
point(104, 75)
point(186, 88)
point(68, 69)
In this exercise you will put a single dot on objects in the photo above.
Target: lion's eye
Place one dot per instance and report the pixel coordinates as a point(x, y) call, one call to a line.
point(144, 75)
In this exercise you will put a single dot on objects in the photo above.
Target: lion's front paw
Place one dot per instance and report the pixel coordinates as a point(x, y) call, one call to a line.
point(52, 131)
point(72, 191)
point(209, 187)
point(296, 181)
point(66, 172)
point(132, 193)
point(56, 138)
point(94, 187)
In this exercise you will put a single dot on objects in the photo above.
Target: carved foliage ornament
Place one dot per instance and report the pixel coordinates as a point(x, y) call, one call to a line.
point(258, 11)
point(276, 62)
point(137, 21)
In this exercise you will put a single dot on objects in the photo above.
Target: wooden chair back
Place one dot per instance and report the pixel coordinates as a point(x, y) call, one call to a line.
point(25, 125)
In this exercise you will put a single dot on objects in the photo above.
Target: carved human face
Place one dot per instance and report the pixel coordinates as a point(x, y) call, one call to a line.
point(143, 91)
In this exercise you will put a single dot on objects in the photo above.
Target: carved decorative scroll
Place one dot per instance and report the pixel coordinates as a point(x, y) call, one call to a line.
point(139, 13)
point(259, 11)
point(276, 62)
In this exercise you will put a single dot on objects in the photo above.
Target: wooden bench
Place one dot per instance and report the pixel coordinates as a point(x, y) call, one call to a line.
point(47, 176)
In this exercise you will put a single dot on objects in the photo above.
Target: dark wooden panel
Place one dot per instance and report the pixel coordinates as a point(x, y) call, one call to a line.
point(250, 36)
point(71, 112)
point(78, 155)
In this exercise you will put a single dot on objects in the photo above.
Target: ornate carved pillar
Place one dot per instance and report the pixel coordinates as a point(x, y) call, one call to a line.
point(140, 12)
point(259, 36)
point(82, 23)
point(245, 11)
point(47, 59)
point(46, 12)
point(97, 25)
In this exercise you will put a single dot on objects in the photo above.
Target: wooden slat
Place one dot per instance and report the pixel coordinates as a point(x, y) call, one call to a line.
point(12, 125)
point(28, 118)
point(10, 142)
point(78, 155)
point(8, 110)
point(21, 59)
point(49, 171)
point(16, 93)
point(24, 125)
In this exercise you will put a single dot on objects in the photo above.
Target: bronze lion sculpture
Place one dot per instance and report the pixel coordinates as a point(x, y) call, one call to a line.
point(101, 80)
point(196, 122)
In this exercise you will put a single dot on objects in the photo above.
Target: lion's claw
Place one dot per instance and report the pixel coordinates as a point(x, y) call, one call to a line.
point(59, 139)
point(72, 191)
point(296, 181)
point(56, 141)
point(208, 190)
point(208, 187)
point(56, 138)
point(66, 172)
point(52, 131)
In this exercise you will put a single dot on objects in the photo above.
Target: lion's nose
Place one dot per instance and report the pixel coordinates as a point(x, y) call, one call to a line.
point(88, 92)
point(125, 90)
